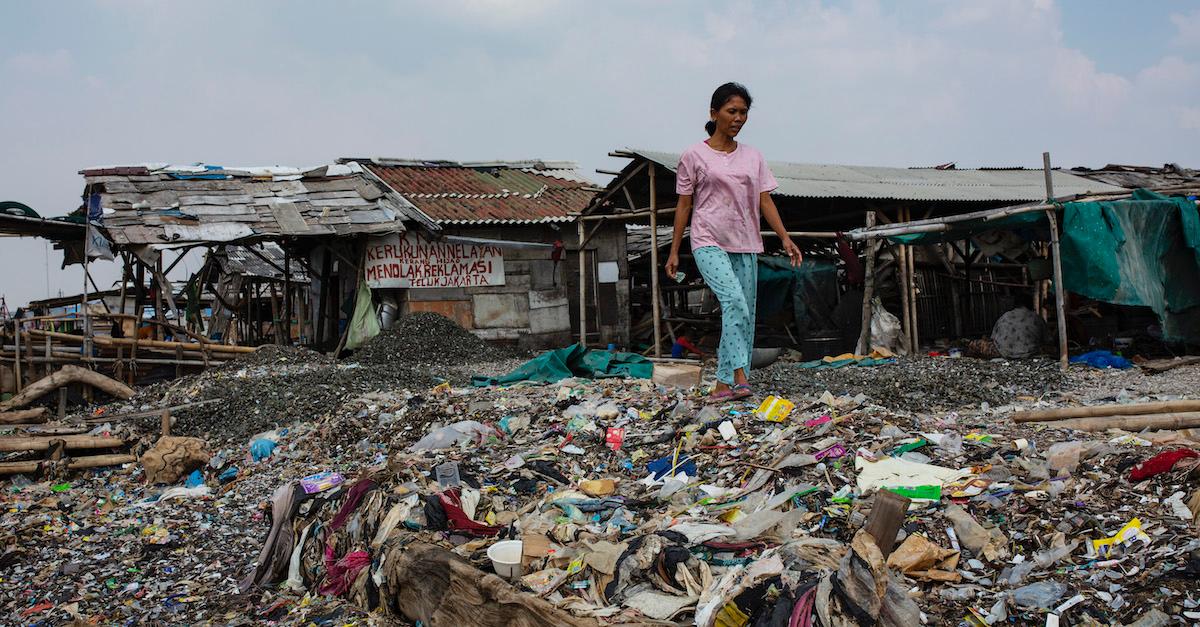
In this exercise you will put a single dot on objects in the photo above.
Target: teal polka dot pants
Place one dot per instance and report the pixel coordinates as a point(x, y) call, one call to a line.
point(733, 277)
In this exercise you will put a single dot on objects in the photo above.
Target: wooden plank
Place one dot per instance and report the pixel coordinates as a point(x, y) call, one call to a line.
point(1162, 365)
point(75, 463)
point(369, 216)
point(887, 515)
point(34, 443)
point(216, 199)
point(1183, 420)
point(288, 217)
point(288, 187)
point(205, 185)
point(356, 201)
point(1122, 409)
point(334, 194)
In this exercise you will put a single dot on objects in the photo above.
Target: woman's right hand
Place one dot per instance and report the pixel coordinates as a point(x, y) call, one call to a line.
point(672, 264)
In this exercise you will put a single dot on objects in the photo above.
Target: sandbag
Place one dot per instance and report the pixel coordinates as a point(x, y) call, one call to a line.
point(173, 457)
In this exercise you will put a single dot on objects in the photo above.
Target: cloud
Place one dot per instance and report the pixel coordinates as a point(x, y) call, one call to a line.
point(1189, 118)
point(866, 82)
point(488, 14)
point(54, 63)
point(1187, 25)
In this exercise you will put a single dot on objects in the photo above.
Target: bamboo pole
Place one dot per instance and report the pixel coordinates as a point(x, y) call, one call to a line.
point(656, 307)
point(1184, 420)
point(935, 225)
point(36, 443)
point(1093, 411)
point(22, 416)
point(65, 376)
point(910, 255)
point(287, 296)
point(864, 334)
point(74, 463)
point(623, 215)
point(112, 341)
point(17, 355)
point(902, 284)
point(66, 356)
point(582, 286)
point(1060, 298)
point(808, 234)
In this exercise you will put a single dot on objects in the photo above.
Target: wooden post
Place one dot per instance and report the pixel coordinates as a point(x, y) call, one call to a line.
point(29, 357)
point(159, 301)
point(1060, 296)
point(654, 287)
point(124, 281)
point(582, 286)
point(139, 296)
point(17, 353)
point(902, 284)
point(166, 422)
point(86, 311)
point(322, 330)
point(287, 296)
point(62, 402)
point(910, 256)
point(275, 326)
point(864, 334)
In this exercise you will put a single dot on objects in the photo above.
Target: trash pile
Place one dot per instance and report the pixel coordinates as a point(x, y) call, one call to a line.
point(427, 339)
point(621, 501)
point(347, 497)
point(922, 383)
point(276, 386)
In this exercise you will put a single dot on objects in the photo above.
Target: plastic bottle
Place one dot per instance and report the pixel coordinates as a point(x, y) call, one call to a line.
point(1040, 595)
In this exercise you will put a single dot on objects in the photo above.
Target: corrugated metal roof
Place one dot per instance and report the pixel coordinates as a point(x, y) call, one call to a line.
point(239, 260)
point(515, 192)
point(157, 204)
point(869, 182)
point(1169, 176)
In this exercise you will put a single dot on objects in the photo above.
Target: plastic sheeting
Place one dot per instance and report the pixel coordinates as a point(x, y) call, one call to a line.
point(574, 361)
point(1143, 252)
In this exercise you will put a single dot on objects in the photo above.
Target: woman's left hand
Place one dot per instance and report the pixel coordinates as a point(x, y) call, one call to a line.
point(793, 252)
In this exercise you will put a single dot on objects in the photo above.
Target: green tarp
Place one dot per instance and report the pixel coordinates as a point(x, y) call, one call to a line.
point(811, 290)
point(865, 362)
point(573, 361)
point(1033, 224)
point(1144, 251)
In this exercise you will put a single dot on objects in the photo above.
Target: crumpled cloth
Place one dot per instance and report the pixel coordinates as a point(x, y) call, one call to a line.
point(341, 573)
point(1163, 462)
point(353, 498)
point(458, 520)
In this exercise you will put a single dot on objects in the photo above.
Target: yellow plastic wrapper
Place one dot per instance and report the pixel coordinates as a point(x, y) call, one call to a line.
point(775, 409)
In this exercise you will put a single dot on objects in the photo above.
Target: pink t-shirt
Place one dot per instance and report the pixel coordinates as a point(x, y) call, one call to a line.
point(724, 188)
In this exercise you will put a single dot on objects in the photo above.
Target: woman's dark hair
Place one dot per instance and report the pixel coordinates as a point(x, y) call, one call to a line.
point(722, 96)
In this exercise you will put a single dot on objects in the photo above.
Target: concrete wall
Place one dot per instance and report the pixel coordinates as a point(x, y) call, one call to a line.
point(530, 310)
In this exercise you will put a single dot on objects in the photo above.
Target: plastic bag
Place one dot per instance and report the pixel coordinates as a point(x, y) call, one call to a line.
point(452, 435)
point(885, 329)
point(261, 449)
point(1040, 595)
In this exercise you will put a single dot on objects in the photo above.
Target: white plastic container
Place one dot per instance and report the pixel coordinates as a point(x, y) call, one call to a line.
point(506, 558)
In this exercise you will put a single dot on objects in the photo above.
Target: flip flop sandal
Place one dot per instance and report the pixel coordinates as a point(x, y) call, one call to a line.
point(742, 390)
point(724, 396)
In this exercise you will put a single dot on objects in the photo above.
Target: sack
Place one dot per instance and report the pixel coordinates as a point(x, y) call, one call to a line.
point(885, 330)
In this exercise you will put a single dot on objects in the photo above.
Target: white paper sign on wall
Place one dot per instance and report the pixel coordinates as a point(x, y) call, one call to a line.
point(410, 261)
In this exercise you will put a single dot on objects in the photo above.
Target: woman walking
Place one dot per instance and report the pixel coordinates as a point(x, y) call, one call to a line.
point(729, 186)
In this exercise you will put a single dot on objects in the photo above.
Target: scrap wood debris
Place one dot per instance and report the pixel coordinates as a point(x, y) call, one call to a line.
point(629, 502)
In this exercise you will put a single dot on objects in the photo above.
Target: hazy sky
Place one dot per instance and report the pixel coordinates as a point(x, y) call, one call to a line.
point(978, 82)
